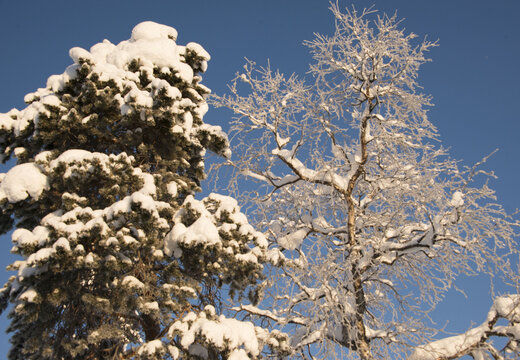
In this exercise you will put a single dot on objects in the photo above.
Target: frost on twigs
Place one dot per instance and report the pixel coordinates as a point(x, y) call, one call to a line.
point(113, 246)
point(374, 218)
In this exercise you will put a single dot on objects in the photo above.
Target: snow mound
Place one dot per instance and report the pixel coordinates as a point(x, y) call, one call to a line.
point(457, 199)
point(23, 181)
point(220, 332)
point(149, 30)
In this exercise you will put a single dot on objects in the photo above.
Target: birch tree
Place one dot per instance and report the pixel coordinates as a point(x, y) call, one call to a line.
point(375, 218)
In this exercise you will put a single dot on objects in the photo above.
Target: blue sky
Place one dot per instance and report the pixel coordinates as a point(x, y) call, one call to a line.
point(474, 76)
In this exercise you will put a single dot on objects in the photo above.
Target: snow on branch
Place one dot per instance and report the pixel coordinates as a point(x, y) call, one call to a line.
point(476, 341)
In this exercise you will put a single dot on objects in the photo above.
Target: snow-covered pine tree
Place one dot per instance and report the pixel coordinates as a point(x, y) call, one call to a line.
point(118, 258)
point(376, 218)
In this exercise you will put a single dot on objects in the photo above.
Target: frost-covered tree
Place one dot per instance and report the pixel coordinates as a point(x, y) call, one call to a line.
point(376, 218)
point(118, 259)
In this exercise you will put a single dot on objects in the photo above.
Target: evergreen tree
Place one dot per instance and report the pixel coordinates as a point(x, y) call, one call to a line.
point(118, 258)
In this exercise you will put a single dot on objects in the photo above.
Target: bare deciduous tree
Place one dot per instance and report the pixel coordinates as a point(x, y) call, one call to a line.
point(376, 220)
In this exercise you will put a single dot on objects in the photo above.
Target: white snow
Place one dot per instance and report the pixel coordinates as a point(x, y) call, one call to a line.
point(293, 240)
point(226, 203)
point(457, 199)
point(202, 231)
point(63, 244)
point(17, 121)
point(150, 306)
point(132, 282)
point(188, 121)
point(151, 347)
point(174, 351)
point(238, 354)
point(23, 237)
point(171, 240)
point(248, 257)
point(222, 332)
point(507, 306)
point(214, 215)
point(80, 249)
point(171, 187)
point(89, 259)
point(391, 233)
point(29, 295)
point(140, 97)
point(40, 256)
point(77, 155)
point(77, 53)
point(199, 50)
point(51, 100)
point(79, 161)
point(23, 181)
point(149, 30)
point(213, 130)
point(171, 91)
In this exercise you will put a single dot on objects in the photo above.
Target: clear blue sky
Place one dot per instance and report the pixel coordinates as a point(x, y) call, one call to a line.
point(474, 77)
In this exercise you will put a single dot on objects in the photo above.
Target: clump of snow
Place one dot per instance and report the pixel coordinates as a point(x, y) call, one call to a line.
point(23, 237)
point(62, 244)
point(198, 50)
point(215, 131)
point(149, 30)
point(29, 295)
point(174, 351)
point(151, 348)
point(132, 282)
point(89, 259)
point(23, 181)
point(171, 187)
point(238, 354)
point(457, 199)
point(508, 307)
point(19, 151)
point(220, 332)
point(40, 256)
point(78, 161)
point(171, 246)
point(150, 307)
point(249, 257)
point(391, 233)
point(17, 121)
point(150, 42)
point(293, 240)
point(202, 231)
